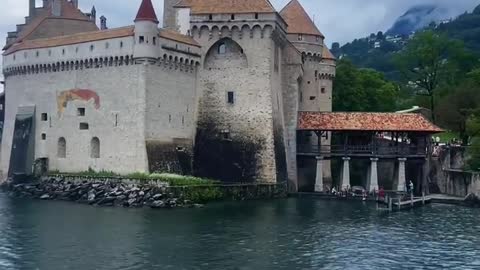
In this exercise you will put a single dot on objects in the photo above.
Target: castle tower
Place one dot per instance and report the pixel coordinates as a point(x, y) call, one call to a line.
point(306, 37)
point(170, 15)
point(146, 32)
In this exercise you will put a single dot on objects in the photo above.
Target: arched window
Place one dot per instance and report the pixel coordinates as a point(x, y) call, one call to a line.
point(62, 148)
point(95, 148)
point(222, 48)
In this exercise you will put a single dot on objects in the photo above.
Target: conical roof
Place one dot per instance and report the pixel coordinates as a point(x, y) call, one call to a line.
point(227, 6)
point(146, 12)
point(298, 20)
point(327, 54)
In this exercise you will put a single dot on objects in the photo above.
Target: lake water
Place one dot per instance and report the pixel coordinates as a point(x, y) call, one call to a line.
point(281, 234)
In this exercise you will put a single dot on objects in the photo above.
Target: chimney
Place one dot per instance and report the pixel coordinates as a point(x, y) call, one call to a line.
point(31, 8)
point(103, 23)
point(93, 14)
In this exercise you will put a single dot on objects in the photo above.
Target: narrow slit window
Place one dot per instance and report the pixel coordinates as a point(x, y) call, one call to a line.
point(141, 39)
point(323, 90)
point(210, 17)
point(232, 17)
point(154, 41)
point(231, 97)
point(44, 117)
point(256, 16)
point(44, 136)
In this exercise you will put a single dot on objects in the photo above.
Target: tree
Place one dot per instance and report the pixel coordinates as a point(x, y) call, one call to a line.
point(427, 60)
point(474, 149)
point(380, 35)
point(456, 109)
point(362, 90)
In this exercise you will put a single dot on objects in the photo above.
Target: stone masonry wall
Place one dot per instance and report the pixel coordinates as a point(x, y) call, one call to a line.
point(117, 118)
point(247, 151)
point(170, 118)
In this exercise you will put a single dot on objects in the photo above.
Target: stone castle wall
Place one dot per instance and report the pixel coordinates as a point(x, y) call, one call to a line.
point(113, 99)
point(239, 134)
point(171, 101)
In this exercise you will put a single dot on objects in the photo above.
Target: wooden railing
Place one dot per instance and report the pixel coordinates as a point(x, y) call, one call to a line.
point(366, 150)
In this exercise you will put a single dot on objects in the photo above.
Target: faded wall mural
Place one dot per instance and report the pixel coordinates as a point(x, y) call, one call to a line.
point(86, 95)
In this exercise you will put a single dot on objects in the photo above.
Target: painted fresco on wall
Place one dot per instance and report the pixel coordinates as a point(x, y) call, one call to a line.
point(85, 95)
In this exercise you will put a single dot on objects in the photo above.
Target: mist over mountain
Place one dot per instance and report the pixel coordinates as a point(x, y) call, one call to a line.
point(418, 17)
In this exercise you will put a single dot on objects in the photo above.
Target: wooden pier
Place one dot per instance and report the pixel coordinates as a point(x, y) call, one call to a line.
point(397, 204)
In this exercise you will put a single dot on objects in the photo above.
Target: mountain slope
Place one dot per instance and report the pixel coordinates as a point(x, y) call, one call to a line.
point(417, 18)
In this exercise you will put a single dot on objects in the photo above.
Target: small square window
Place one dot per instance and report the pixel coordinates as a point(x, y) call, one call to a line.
point(323, 90)
point(44, 117)
point(80, 111)
point(44, 136)
point(230, 97)
point(84, 126)
point(313, 97)
point(154, 41)
point(141, 39)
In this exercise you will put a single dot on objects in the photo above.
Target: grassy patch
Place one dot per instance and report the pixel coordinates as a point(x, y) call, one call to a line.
point(172, 179)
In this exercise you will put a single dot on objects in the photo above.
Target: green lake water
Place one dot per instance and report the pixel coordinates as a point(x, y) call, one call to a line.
point(279, 234)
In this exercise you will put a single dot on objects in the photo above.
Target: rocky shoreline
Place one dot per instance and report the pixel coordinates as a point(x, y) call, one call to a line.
point(136, 193)
point(99, 193)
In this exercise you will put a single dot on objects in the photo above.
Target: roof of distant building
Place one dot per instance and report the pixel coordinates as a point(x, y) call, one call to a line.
point(298, 20)
point(94, 36)
point(146, 12)
point(69, 12)
point(227, 6)
point(356, 121)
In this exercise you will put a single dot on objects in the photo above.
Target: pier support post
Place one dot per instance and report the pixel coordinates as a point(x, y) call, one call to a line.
point(372, 180)
point(401, 180)
point(345, 180)
point(319, 175)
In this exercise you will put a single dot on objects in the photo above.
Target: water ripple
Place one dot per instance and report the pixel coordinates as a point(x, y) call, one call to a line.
point(284, 234)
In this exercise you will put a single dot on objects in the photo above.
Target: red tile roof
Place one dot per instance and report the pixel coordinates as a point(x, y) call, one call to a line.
point(94, 36)
point(298, 20)
point(69, 12)
point(327, 54)
point(356, 121)
point(146, 12)
point(227, 6)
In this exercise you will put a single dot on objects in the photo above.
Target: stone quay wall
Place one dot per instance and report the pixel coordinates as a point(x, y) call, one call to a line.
point(137, 193)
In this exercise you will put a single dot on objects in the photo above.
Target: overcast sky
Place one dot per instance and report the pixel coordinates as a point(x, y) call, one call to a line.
point(339, 20)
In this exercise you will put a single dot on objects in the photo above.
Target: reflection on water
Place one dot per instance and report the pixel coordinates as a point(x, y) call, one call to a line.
point(283, 234)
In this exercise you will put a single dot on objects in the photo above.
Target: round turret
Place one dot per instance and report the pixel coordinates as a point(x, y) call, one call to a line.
point(146, 32)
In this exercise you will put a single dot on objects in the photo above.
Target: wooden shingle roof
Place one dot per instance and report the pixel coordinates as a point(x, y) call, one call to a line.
point(298, 20)
point(227, 6)
point(357, 121)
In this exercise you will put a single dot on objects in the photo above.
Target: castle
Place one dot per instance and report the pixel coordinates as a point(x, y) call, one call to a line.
point(216, 92)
